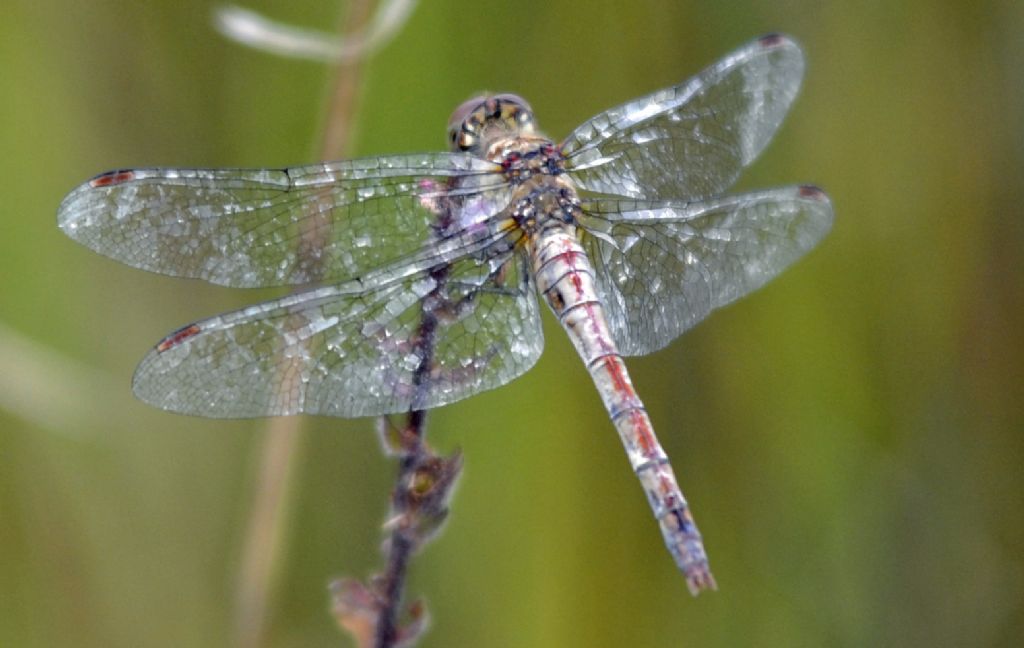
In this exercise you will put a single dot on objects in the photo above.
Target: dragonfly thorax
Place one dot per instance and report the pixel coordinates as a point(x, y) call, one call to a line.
point(479, 122)
point(543, 203)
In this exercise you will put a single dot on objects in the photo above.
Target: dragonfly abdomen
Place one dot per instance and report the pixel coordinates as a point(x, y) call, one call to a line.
point(565, 277)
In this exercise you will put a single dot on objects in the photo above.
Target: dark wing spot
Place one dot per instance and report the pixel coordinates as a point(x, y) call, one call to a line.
point(111, 178)
point(772, 40)
point(811, 192)
point(179, 336)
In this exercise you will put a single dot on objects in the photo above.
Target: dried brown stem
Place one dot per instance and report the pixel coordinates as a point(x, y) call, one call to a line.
point(419, 507)
point(264, 535)
point(263, 542)
point(400, 546)
point(341, 106)
point(419, 501)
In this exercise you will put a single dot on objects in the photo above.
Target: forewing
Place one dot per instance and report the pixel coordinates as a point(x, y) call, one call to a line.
point(324, 222)
point(692, 140)
point(661, 267)
point(341, 351)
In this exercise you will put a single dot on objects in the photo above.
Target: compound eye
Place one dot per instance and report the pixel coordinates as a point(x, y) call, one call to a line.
point(463, 111)
point(514, 98)
point(518, 110)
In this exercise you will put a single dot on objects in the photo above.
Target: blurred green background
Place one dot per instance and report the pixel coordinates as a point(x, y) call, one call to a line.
point(850, 437)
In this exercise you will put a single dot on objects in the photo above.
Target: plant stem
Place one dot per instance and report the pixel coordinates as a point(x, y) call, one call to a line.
point(264, 544)
point(400, 546)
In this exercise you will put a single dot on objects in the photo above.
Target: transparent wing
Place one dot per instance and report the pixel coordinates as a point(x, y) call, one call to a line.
point(692, 140)
point(661, 267)
point(430, 339)
point(324, 222)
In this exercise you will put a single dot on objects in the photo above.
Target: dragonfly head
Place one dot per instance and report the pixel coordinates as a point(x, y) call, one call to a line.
point(477, 123)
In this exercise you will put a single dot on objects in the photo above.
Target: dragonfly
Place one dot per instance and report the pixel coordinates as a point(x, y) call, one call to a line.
point(418, 277)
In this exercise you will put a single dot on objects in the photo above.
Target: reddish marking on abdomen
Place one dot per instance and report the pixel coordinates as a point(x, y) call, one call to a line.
point(644, 434)
point(667, 490)
point(176, 338)
point(111, 178)
point(569, 256)
point(577, 283)
point(637, 418)
point(592, 319)
point(618, 379)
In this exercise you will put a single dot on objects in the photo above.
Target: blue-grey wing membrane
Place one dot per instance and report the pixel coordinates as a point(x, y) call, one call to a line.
point(692, 140)
point(324, 222)
point(661, 267)
point(344, 351)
